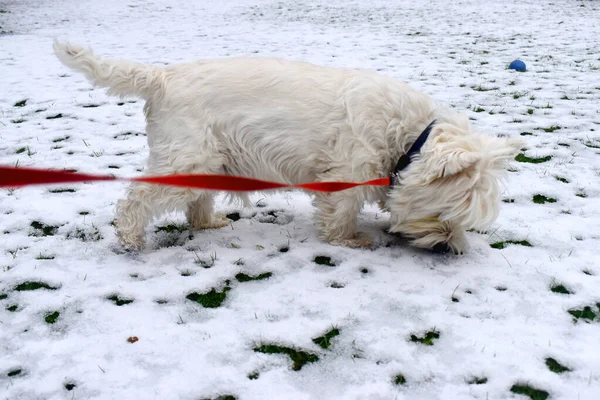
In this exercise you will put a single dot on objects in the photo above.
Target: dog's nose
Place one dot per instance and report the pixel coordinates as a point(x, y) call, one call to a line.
point(441, 248)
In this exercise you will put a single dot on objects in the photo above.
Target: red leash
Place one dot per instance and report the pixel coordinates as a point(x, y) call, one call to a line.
point(11, 177)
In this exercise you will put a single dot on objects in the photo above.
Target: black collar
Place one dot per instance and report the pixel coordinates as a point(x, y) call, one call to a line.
point(405, 159)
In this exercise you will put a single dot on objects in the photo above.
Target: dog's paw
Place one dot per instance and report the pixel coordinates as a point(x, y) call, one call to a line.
point(359, 241)
point(217, 221)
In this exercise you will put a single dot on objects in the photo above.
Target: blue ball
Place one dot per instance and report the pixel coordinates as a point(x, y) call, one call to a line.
point(518, 65)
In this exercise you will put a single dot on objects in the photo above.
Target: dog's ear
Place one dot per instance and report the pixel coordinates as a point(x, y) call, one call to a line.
point(503, 149)
point(449, 156)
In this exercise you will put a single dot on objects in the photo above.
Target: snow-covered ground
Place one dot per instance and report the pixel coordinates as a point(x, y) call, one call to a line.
point(491, 324)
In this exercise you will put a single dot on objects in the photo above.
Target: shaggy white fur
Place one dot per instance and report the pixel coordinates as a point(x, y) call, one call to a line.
point(294, 122)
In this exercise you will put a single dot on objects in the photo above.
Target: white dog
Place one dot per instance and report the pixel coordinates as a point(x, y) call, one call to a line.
point(293, 122)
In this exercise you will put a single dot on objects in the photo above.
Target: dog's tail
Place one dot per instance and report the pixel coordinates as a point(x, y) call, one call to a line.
point(122, 78)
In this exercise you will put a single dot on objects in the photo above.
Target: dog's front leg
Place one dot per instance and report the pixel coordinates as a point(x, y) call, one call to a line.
point(336, 219)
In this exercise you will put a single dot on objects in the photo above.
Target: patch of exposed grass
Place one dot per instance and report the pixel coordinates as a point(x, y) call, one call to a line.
point(586, 313)
point(70, 386)
point(21, 150)
point(591, 145)
point(558, 288)
point(3, 296)
point(299, 358)
point(234, 216)
point(533, 160)
point(241, 277)
point(581, 194)
point(534, 394)
point(62, 139)
point(223, 397)
point(505, 243)
point(171, 228)
point(399, 379)
point(551, 129)
point(118, 300)
point(477, 381)
point(253, 376)
point(337, 285)
point(18, 120)
point(427, 339)
point(21, 103)
point(561, 179)
point(14, 372)
point(42, 229)
point(55, 116)
point(479, 109)
point(526, 134)
point(33, 285)
point(62, 190)
point(541, 199)
point(324, 260)
point(325, 341)
point(12, 308)
point(44, 257)
point(555, 366)
point(211, 299)
point(51, 318)
point(90, 105)
point(87, 234)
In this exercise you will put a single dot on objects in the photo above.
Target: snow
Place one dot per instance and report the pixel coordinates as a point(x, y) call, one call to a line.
point(505, 321)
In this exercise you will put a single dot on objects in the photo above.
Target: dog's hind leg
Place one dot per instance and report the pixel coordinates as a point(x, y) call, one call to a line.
point(200, 214)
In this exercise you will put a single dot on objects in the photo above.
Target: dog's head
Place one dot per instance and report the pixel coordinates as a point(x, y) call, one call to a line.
point(451, 185)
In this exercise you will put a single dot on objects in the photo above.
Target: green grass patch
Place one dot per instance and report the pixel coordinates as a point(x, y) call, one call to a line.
point(477, 381)
point(223, 397)
point(21, 103)
point(55, 116)
point(118, 300)
point(12, 308)
point(582, 195)
point(241, 277)
point(33, 285)
point(541, 199)
point(171, 228)
point(62, 139)
point(526, 134)
point(14, 372)
point(551, 129)
point(62, 190)
point(532, 160)
point(90, 105)
point(479, 109)
point(3, 296)
point(51, 318)
point(561, 179)
point(427, 339)
point(399, 379)
point(44, 257)
point(299, 358)
point(325, 341)
point(505, 243)
point(586, 313)
point(87, 234)
point(560, 289)
point(234, 216)
point(21, 150)
point(555, 366)
point(324, 260)
point(42, 229)
point(592, 145)
point(18, 120)
point(534, 394)
point(253, 376)
point(211, 299)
